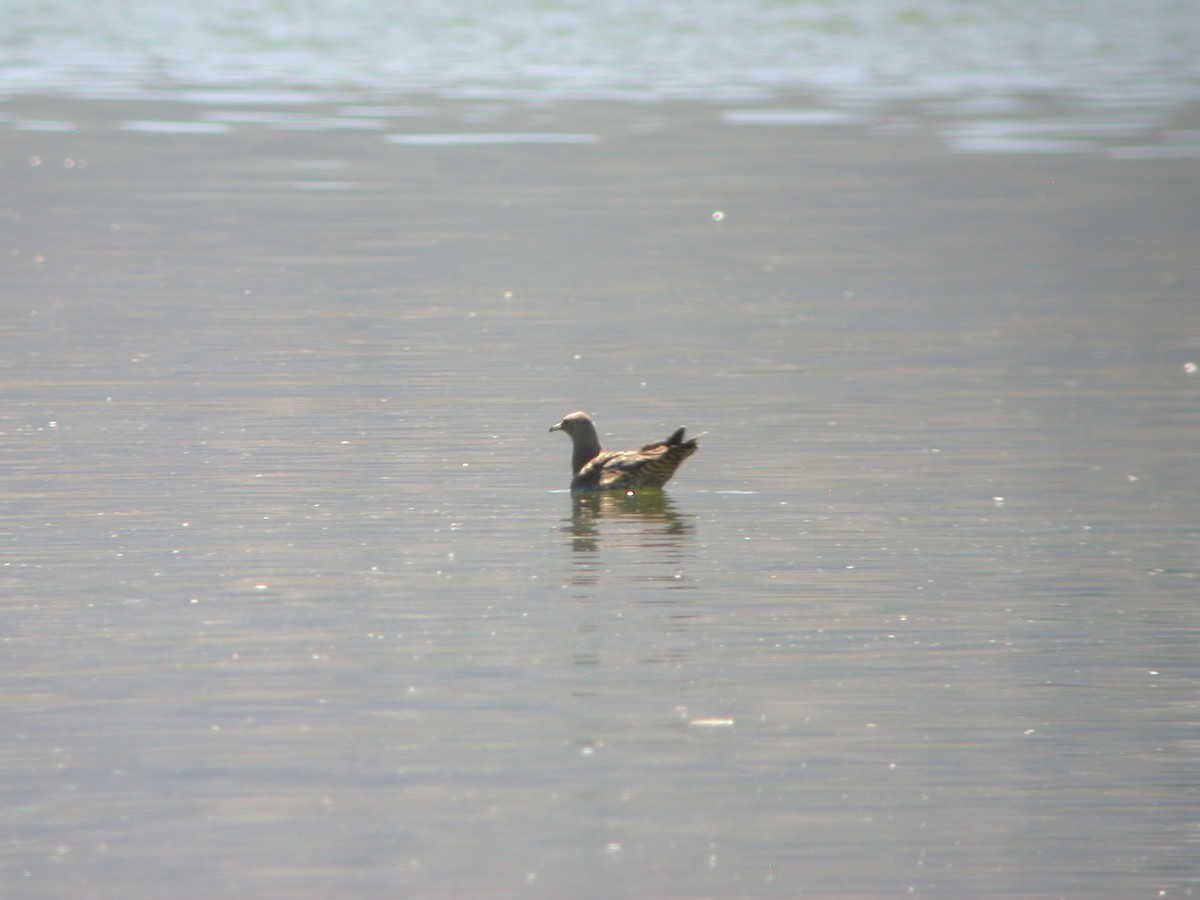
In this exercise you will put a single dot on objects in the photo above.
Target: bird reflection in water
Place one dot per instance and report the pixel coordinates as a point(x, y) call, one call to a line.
point(647, 523)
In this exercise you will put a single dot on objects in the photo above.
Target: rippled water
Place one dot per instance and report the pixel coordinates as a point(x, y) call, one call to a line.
point(1010, 78)
point(1132, 51)
point(295, 602)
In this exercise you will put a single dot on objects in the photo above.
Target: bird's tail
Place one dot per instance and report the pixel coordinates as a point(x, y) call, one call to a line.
point(676, 439)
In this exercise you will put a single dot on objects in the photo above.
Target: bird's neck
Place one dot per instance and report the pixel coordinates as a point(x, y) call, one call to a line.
point(587, 446)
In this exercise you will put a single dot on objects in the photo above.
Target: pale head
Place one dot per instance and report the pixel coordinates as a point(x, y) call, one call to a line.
point(575, 423)
point(584, 440)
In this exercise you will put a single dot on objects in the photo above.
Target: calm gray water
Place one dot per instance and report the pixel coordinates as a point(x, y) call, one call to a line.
point(294, 603)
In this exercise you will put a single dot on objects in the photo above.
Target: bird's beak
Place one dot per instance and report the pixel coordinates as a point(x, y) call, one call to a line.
point(557, 427)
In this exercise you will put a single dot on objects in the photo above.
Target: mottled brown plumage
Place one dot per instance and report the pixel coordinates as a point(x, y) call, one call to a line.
point(597, 469)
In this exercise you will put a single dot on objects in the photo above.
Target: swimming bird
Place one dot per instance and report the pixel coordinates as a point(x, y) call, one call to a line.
point(597, 469)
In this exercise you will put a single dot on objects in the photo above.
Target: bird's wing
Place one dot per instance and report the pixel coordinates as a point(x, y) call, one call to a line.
point(651, 466)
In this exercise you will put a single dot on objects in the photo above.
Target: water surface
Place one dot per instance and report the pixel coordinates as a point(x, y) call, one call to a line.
point(295, 603)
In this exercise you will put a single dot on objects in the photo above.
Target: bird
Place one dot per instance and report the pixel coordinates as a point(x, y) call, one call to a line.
point(596, 469)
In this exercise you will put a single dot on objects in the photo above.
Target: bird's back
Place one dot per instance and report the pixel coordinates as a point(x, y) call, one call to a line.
point(650, 466)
